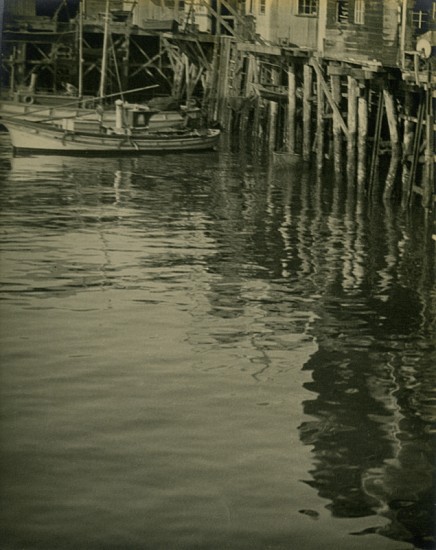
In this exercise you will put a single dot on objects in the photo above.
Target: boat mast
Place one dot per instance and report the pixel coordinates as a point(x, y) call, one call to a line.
point(80, 49)
point(104, 58)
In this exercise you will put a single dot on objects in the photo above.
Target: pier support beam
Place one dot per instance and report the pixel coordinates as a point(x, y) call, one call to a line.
point(362, 108)
point(337, 132)
point(428, 177)
point(272, 124)
point(408, 135)
point(373, 175)
point(307, 111)
point(320, 123)
point(257, 131)
point(290, 130)
point(395, 143)
point(223, 82)
point(352, 127)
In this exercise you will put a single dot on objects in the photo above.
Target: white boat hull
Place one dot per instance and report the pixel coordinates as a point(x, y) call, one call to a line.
point(42, 138)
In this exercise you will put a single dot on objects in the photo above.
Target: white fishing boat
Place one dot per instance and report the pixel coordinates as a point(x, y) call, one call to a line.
point(130, 134)
point(37, 113)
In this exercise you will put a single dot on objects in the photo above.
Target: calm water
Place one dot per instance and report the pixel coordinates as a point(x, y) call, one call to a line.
point(199, 352)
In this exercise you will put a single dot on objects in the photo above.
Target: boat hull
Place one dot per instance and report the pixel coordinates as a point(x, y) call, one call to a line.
point(33, 137)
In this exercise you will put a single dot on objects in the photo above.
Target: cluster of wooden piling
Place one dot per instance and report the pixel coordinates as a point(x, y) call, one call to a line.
point(367, 119)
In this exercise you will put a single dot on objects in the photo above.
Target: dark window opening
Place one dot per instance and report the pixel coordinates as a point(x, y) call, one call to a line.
point(342, 11)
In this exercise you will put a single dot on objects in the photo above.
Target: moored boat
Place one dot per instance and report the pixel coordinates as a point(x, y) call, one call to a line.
point(130, 134)
point(160, 119)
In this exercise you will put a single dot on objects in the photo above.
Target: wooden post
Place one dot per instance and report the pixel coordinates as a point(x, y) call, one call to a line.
point(395, 144)
point(428, 180)
point(361, 141)
point(104, 55)
point(243, 120)
point(290, 134)
point(223, 83)
point(352, 127)
point(408, 134)
point(307, 111)
point(80, 38)
point(415, 150)
point(337, 132)
point(218, 18)
point(319, 123)
point(211, 93)
point(257, 131)
point(376, 146)
point(272, 124)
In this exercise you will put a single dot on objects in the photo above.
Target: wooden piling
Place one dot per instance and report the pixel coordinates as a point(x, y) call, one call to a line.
point(416, 150)
point(257, 130)
point(272, 124)
point(428, 177)
point(307, 111)
point(211, 94)
point(395, 143)
point(223, 83)
point(292, 89)
point(352, 126)
point(376, 145)
point(362, 116)
point(335, 81)
point(320, 123)
point(408, 134)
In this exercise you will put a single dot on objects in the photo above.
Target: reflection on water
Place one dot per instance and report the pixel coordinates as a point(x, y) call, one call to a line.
point(200, 351)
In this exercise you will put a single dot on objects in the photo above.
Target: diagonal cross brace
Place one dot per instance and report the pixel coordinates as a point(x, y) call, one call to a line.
point(329, 96)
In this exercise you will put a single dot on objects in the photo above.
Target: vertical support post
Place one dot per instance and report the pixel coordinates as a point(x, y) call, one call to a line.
point(80, 39)
point(307, 110)
point(223, 83)
point(319, 122)
point(272, 124)
point(428, 182)
point(12, 77)
point(416, 149)
point(212, 93)
point(362, 108)
point(256, 124)
point(352, 127)
point(104, 55)
point(337, 131)
point(395, 144)
point(376, 145)
point(408, 135)
point(290, 135)
point(243, 121)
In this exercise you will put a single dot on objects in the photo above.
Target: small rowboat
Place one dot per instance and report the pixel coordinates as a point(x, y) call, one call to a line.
point(130, 134)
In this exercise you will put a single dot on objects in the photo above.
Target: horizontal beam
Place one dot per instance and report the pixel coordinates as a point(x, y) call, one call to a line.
point(258, 48)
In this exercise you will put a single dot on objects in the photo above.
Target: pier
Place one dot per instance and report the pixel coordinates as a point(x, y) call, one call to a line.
point(352, 83)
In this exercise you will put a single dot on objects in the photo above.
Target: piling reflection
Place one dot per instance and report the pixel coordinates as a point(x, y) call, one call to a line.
point(370, 445)
point(357, 267)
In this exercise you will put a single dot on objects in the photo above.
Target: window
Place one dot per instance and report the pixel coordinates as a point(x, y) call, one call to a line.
point(262, 6)
point(420, 19)
point(342, 11)
point(307, 7)
point(359, 12)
